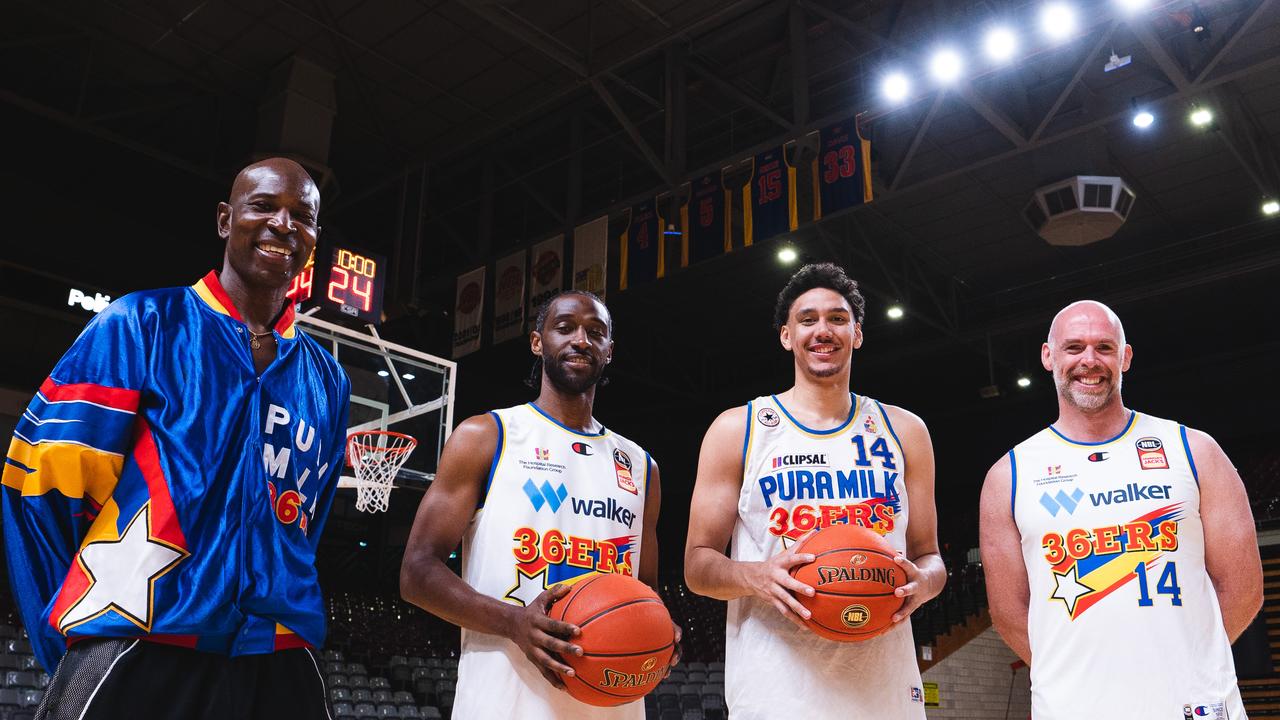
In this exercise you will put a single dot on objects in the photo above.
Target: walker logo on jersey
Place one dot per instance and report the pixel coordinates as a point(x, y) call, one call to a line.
point(1099, 457)
point(783, 461)
point(622, 468)
point(1130, 493)
point(1089, 565)
point(1061, 501)
point(869, 425)
point(545, 494)
point(542, 454)
point(767, 417)
point(608, 509)
point(581, 448)
point(1151, 454)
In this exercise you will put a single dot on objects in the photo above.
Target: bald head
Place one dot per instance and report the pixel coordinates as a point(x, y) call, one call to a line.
point(1090, 313)
point(1088, 357)
point(276, 171)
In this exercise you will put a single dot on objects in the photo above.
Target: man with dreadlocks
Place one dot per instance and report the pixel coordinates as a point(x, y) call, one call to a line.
point(542, 496)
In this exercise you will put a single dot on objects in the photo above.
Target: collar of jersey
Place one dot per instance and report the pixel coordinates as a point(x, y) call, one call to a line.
point(542, 413)
point(210, 290)
point(853, 412)
point(1127, 427)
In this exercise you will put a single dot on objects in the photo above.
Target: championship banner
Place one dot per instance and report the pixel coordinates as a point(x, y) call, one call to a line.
point(508, 298)
point(467, 311)
point(590, 255)
point(546, 273)
point(844, 168)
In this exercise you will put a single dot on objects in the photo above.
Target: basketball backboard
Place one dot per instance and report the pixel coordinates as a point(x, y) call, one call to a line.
point(395, 388)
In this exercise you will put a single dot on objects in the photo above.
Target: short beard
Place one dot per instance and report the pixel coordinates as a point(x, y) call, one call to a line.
point(567, 382)
point(1086, 403)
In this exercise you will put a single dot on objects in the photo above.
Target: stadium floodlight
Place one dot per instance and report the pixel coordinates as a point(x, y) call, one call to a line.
point(408, 376)
point(896, 87)
point(1024, 382)
point(1058, 20)
point(895, 312)
point(787, 255)
point(1270, 207)
point(1000, 44)
point(1201, 117)
point(946, 65)
point(383, 373)
point(1143, 119)
point(1133, 6)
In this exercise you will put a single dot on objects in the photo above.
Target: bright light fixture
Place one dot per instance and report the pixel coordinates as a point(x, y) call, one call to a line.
point(408, 376)
point(895, 312)
point(1133, 6)
point(383, 373)
point(787, 255)
point(896, 87)
point(1000, 44)
point(1270, 207)
point(946, 65)
point(1201, 117)
point(1143, 119)
point(1024, 381)
point(1058, 20)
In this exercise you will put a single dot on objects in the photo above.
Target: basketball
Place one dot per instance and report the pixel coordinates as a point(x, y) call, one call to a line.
point(627, 639)
point(853, 576)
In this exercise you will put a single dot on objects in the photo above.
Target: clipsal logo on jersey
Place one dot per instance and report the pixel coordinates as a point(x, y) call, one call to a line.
point(1090, 564)
point(1151, 454)
point(783, 461)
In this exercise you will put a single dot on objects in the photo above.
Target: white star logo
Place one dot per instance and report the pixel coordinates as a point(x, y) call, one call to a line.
point(1069, 591)
point(527, 587)
point(122, 574)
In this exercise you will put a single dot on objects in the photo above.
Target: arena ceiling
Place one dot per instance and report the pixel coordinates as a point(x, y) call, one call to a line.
point(462, 130)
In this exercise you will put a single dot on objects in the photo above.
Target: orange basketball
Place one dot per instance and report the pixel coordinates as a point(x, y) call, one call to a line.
point(853, 576)
point(627, 639)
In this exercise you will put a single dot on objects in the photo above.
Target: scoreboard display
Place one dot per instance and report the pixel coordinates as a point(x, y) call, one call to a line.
point(342, 280)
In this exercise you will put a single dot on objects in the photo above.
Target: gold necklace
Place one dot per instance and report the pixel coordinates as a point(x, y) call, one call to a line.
point(253, 338)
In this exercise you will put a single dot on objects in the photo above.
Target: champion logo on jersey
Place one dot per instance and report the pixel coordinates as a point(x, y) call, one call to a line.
point(767, 417)
point(1099, 456)
point(581, 448)
point(1213, 711)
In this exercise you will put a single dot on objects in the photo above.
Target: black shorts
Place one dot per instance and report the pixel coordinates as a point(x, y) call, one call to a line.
point(127, 678)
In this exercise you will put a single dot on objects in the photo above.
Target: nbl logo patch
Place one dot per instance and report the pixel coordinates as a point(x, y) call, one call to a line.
point(622, 468)
point(1151, 454)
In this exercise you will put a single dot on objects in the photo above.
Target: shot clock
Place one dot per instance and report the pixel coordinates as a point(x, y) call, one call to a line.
point(342, 280)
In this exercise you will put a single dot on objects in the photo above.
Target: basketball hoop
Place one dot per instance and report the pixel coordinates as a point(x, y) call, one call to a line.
point(376, 456)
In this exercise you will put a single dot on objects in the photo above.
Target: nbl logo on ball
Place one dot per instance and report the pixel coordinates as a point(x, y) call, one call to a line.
point(855, 616)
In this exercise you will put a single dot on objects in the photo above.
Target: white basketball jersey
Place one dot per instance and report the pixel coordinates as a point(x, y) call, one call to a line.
point(794, 479)
point(1123, 620)
point(560, 506)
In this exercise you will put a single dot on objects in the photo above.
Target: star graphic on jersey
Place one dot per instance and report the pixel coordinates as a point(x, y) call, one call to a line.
point(1069, 591)
point(122, 574)
point(528, 587)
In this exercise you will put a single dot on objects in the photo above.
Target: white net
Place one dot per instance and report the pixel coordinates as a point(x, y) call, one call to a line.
point(376, 457)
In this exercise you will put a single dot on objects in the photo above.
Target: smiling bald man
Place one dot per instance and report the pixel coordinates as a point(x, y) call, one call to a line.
point(165, 491)
point(1119, 548)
